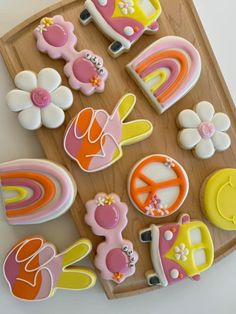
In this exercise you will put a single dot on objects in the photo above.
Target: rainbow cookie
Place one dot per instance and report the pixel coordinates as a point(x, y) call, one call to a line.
point(203, 131)
point(40, 99)
point(166, 71)
point(158, 186)
point(35, 190)
point(178, 250)
point(218, 198)
point(124, 21)
point(84, 69)
point(34, 270)
point(94, 139)
point(115, 257)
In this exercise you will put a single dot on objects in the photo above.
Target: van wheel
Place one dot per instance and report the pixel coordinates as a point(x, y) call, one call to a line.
point(146, 235)
point(85, 17)
point(116, 48)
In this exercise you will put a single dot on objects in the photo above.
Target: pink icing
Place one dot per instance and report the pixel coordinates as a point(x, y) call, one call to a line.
point(206, 130)
point(40, 97)
point(84, 70)
point(56, 35)
point(107, 216)
point(117, 261)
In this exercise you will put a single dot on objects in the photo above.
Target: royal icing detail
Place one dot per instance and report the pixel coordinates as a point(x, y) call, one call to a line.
point(40, 99)
point(124, 21)
point(35, 190)
point(219, 199)
point(203, 130)
point(34, 270)
point(158, 186)
point(115, 257)
point(166, 71)
point(84, 69)
point(94, 139)
point(188, 253)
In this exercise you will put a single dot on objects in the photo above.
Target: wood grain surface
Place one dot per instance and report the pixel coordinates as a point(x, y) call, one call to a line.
point(179, 17)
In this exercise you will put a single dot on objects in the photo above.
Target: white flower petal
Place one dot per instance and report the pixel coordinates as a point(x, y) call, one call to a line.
point(221, 122)
point(18, 100)
point(52, 116)
point(26, 80)
point(177, 256)
point(131, 10)
point(221, 141)
point(205, 111)
point(182, 246)
point(62, 97)
point(189, 138)
point(183, 258)
point(186, 252)
point(49, 79)
point(205, 149)
point(177, 249)
point(188, 119)
point(30, 118)
point(121, 5)
point(124, 11)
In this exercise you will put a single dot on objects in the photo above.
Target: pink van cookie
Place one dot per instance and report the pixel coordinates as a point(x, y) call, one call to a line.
point(115, 258)
point(84, 69)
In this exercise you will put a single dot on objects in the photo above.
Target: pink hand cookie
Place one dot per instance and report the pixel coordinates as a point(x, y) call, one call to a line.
point(84, 69)
point(115, 258)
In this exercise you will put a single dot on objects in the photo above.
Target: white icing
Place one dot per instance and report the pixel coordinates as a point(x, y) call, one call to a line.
point(168, 235)
point(174, 273)
point(129, 31)
point(31, 116)
point(214, 137)
point(195, 235)
point(103, 3)
point(126, 6)
point(200, 257)
point(181, 252)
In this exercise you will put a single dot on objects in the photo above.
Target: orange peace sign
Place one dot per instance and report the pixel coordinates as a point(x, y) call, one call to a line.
point(158, 186)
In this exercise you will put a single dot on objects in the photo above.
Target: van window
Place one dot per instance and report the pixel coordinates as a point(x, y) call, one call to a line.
point(147, 7)
point(195, 235)
point(200, 257)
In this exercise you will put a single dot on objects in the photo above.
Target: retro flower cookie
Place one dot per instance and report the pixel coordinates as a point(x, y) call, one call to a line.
point(115, 257)
point(218, 198)
point(35, 191)
point(84, 69)
point(178, 250)
point(40, 99)
point(34, 270)
point(203, 130)
point(158, 186)
point(94, 139)
point(124, 21)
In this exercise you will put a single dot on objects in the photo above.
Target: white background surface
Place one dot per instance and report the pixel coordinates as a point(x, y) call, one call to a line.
point(215, 293)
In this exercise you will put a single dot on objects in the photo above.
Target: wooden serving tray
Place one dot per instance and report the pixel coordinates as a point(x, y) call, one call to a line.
point(179, 17)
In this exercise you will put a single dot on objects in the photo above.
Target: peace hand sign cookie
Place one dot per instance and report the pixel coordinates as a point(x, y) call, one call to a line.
point(94, 139)
point(158, 186)
point(34, 270)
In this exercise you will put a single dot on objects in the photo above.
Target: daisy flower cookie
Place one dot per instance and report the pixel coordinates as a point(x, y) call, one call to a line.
point(204, 130)
point(40, 99)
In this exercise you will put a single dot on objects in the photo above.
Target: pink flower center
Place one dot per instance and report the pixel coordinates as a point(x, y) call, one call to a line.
point(126, 5)
point(206, 130)
point(40, 97)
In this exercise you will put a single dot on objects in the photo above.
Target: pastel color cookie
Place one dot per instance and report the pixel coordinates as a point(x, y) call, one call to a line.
point(35, 190)
point(34, 270)
point(218, 198)
point(157, 186)
point(123, 21)
point(166, 71)
point(40, 99)
point(115, 257)
point(203, 130)
point(84, 69)
point(178, 251)
point(94, 139)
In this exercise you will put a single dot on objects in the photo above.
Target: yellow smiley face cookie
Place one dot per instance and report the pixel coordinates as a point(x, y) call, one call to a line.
point(219, 199)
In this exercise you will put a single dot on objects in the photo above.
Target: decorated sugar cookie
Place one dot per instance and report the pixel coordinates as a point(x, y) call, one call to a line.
point(123, 21)
point(218, 198)
point(85, 70)
point(115, 257)
point(203, 130)
point(178, 250)
point(158, 186)
point(34, 270)
point(166, 71)
point(40, 99)
point(94, 139)
point(35, 190)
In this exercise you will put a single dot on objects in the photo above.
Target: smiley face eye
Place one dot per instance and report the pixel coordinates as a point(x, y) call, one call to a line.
point(101, 71)
point(88, 56)
point(94, 59)
point(99, 65)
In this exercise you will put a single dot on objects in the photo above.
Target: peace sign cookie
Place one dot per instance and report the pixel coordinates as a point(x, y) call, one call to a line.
point(158, 186)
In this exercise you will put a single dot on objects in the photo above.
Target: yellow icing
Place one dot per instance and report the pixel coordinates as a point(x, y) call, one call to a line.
point(139, 13)
point(162, 77)
point(21, 194)
point(190, 266)
point(219, 199)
